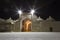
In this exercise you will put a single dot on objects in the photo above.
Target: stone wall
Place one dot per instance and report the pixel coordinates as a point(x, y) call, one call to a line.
point(37, 26)
point(15, 27)
point(44, 26)
point(5, 27)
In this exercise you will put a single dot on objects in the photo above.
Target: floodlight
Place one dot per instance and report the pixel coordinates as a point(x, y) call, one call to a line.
point(20, 12)
point(32, 11)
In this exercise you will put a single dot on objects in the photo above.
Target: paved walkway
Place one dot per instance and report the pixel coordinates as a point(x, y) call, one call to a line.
point(30, 36)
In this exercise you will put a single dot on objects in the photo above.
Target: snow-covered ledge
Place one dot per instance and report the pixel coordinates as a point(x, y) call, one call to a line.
point(30, 36)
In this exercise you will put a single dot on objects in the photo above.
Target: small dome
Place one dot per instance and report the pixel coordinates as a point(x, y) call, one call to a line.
point(39, 18)
point(50, 18)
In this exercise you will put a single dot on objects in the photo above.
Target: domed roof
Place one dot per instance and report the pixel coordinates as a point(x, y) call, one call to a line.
point(50, 18)
point(39, 18)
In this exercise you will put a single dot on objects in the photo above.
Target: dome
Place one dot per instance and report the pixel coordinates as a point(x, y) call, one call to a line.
point(39, 18)
point(50, 18)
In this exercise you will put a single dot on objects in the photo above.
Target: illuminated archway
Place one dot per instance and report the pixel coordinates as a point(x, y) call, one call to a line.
point(26, 25)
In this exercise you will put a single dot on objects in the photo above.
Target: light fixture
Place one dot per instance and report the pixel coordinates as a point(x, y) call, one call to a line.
point(32, 11)
point(20, 12)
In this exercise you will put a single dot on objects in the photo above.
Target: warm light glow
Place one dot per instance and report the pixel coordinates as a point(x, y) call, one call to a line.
point(20, 12)
point(27, 25)
point(32, 11)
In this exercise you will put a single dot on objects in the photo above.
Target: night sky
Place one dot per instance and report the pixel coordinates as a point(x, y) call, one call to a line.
point(45, 8)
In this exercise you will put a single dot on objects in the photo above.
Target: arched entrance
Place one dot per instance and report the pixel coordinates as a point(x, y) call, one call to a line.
point(26, 25)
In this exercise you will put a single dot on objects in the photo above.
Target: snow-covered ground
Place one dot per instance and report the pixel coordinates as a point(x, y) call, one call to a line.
point(30, 36)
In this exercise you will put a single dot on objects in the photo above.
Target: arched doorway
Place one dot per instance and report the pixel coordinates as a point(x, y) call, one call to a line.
point(26, 25)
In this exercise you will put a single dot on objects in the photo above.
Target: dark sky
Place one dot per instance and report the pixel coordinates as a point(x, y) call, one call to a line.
point(45, 8)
